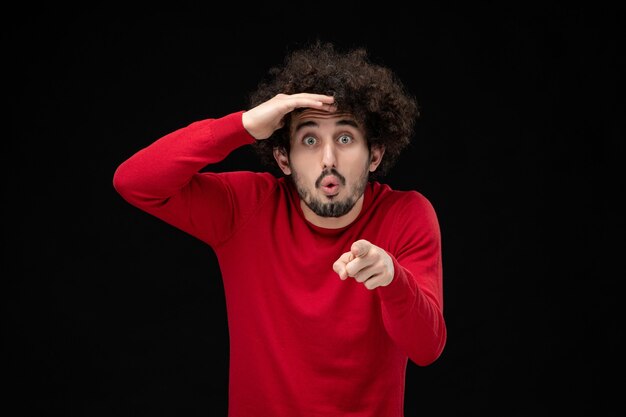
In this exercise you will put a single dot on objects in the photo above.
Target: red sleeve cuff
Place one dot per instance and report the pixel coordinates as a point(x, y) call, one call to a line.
point(231, 127)
point(402, 289)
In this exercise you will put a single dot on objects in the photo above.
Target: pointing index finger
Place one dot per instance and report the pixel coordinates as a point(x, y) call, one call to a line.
point(360, 248)
point(340, 265)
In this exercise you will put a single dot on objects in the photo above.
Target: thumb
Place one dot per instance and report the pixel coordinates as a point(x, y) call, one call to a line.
point(360, 248)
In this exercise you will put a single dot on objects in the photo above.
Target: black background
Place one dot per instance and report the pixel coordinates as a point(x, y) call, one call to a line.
point(109, 312)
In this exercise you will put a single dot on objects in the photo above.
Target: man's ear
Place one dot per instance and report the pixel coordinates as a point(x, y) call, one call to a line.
point(280, 154)
point(376, 156)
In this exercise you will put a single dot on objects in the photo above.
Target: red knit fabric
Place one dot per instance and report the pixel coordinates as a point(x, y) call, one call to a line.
point(303, 343)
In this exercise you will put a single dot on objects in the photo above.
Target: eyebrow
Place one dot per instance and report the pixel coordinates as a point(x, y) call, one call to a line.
point(340, 122)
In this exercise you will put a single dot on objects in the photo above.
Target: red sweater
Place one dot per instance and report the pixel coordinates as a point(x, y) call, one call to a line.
point(303, 342)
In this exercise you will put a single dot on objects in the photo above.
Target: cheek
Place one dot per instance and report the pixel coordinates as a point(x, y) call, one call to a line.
point(302, 170)
point(355, 165)
point(302, 163)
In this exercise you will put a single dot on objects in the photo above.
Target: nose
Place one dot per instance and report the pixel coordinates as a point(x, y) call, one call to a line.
point(329, 159)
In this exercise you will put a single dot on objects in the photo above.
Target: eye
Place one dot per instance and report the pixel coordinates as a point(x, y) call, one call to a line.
point(344, 139)
point(309, 140)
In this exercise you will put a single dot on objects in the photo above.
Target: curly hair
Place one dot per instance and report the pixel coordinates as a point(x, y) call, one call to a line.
point(371, 92)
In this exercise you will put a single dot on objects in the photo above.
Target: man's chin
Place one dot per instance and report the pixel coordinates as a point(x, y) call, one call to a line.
point(331, 207)
point(331, 197)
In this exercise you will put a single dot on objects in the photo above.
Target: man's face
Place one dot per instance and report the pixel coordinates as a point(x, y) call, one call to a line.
point(329, 161)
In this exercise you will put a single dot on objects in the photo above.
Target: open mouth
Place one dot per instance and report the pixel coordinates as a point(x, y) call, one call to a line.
point(330, 185)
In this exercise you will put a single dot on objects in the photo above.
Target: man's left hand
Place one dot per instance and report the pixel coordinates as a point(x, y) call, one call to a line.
point(366, 263)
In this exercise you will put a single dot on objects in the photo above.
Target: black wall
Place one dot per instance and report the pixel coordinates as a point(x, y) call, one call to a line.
point(109, 312)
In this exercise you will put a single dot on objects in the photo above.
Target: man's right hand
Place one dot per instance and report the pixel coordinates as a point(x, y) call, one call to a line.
point(262, 120)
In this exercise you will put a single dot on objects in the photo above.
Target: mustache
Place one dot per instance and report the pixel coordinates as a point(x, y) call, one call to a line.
point(328, 172)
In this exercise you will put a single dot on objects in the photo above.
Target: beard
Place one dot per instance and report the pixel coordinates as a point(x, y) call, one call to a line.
point(332, 208)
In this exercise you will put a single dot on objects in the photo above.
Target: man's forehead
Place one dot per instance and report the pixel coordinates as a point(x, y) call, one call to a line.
point(312, 114)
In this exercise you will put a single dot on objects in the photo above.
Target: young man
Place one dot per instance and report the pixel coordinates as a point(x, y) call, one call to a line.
point(333, 280)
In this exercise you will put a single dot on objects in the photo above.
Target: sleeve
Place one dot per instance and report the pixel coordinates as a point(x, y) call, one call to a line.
point(164, 179)
point(412, 304)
